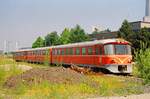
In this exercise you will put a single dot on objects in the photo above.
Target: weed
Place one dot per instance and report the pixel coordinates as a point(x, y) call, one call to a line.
point(143, 64)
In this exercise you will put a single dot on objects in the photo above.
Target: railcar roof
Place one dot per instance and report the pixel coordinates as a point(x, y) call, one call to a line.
point(88, 43)
point(34, 49)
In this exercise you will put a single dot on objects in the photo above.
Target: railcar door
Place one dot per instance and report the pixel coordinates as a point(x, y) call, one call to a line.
point(98, 55)
point(47, 57)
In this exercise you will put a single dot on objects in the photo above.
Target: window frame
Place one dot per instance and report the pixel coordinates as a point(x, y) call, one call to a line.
point(62, 51)
point(89, 51)
point(77, 51)
point(84, 49)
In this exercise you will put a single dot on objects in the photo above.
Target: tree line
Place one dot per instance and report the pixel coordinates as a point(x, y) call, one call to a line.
point(73, 35)
point(77, 34)
point(136, 38)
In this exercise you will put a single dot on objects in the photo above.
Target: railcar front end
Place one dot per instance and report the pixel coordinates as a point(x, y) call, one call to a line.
point(117, 57)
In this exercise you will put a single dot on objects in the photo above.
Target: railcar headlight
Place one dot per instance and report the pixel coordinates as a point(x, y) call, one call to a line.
point(129, 60)
point(113, 61)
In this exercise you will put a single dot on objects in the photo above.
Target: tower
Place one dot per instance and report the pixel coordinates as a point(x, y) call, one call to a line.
point(147, 9)
point(147, 12)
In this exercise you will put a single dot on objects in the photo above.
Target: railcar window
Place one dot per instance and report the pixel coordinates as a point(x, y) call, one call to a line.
point(67, 51)
point(53, 52)
point(21, 53)
point(47, 52)
point(109, 49)
point(122, 49)
point(43, 52)
point(90, 51)
point(83, 51)
point(63, 52)
point(97, 51)
point(59, 52)
point(117, 49)
point(71, 51)
point(24, 53)
point(129, 49)
point(37, 53)
point(32, 52)
point(40, 52)
point(100, 51)
point(77, 51)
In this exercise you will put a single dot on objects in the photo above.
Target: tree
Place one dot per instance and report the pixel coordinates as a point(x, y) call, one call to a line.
point(96, 31)
point(78, 35)
point(136, 38)
point(125, 31)
point(141, 37)
point(65, 36)
point(52, 39)
point(38, 43)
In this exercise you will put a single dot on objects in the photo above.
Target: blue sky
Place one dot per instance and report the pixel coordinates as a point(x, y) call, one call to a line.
point(24, 20)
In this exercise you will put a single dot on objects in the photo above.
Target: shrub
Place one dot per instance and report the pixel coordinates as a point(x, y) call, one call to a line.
point(143, 64)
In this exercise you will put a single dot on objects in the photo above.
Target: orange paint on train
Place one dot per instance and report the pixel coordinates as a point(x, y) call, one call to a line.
point(103, 53)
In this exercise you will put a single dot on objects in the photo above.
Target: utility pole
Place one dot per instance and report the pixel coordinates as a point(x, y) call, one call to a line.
point(17, 46)
point(5, 45)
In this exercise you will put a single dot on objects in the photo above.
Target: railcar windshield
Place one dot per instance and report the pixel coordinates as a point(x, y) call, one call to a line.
point(117, 49)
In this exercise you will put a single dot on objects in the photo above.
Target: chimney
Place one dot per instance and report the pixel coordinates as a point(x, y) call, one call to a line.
point(147, 12)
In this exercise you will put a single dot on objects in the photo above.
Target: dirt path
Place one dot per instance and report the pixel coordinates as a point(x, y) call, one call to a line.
point(141, 96)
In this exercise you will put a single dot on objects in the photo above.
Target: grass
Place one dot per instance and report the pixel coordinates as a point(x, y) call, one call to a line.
point(96, 86)
point(4, 60)
point(105, 85)
point(7, 72)
point(117, 85)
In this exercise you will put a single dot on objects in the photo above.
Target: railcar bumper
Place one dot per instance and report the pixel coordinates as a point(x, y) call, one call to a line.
point(119, 68)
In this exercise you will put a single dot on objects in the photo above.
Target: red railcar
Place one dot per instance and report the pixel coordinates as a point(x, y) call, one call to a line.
point(111, 54)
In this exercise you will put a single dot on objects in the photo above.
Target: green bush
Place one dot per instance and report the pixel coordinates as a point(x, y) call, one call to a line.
point(143, 64)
